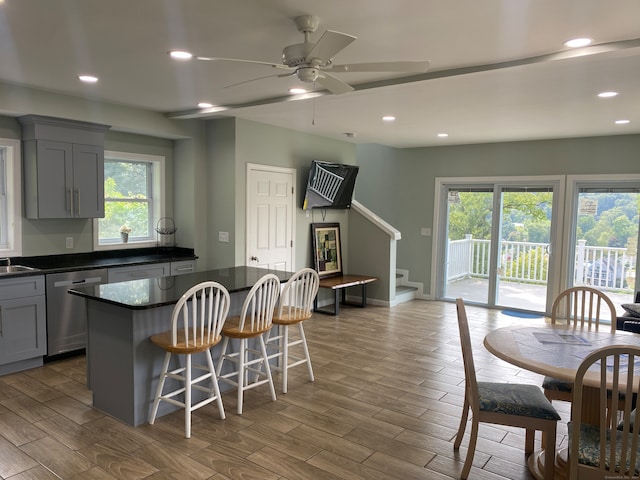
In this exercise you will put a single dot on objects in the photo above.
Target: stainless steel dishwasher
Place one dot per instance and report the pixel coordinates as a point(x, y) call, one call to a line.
point(66, 313)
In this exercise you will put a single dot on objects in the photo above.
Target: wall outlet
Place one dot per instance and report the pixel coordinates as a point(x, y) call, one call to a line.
point(69, 242)
point(223, 236)
point(425, 232)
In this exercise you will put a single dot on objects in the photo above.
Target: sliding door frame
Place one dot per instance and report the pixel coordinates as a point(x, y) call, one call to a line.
point(438, 260)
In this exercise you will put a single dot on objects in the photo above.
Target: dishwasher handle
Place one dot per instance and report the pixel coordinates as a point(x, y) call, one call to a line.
point(75, 283)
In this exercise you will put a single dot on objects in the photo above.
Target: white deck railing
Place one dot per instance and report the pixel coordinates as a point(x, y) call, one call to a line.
point(527, 262)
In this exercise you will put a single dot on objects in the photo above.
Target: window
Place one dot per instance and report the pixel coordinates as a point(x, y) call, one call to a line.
point(133, 203)
point(10, 195)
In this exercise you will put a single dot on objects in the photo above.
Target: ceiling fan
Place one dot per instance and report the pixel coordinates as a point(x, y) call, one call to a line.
point(313, 62)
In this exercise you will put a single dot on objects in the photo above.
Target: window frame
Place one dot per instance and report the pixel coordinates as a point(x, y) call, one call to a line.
point(11, 204)
point(157, 199)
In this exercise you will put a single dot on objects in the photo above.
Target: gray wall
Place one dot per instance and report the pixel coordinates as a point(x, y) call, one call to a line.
point(233, 143)
point(398, 184)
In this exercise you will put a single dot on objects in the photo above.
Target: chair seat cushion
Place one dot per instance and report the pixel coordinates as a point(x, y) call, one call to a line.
point(551, 383)
point(515, 399)
point(589, 448)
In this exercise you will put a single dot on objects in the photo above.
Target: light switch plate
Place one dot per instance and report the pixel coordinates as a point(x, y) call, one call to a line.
point(69, 242)
point(223, 236)
point(425, 232)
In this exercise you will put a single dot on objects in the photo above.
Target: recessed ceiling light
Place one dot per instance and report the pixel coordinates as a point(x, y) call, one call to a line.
point(180, 54)
point(443, 135)
point(87, 78)
point(622, 122)
point(297, 90)
point(607, 94)
point(388, 118)
point(205, 105)
point(578, 42)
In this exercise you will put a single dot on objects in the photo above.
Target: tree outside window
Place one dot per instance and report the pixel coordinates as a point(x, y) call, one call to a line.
point(131, 198)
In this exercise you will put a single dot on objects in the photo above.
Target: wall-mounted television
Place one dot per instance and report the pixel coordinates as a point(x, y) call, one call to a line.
point(330, 185)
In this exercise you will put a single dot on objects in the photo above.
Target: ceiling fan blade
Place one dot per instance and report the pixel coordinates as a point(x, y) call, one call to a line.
point(259, 78)
point(333, 84)
point(216, 59)
point(403, 67)
point(329, 44)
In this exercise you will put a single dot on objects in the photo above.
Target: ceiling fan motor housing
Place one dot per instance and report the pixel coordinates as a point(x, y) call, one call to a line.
point(296, 55)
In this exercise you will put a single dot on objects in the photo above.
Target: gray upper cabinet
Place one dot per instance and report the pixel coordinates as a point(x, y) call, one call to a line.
point(63, 168)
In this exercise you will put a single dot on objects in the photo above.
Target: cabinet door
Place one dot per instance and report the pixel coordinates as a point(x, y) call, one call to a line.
point(88, 181)
point(22, 329)
point(55, 179)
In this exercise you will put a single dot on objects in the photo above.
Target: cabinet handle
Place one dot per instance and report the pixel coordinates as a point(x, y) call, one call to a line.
point(1, 327)
point(78, 201)
point(69, 201)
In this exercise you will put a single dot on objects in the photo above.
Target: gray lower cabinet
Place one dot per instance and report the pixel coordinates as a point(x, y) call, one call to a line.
point(23, 323)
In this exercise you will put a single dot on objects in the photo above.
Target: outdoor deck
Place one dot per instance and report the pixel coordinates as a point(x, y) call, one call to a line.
point(517, 296)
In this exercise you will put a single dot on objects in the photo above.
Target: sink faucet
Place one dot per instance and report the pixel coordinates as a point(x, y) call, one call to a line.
point(7, 259)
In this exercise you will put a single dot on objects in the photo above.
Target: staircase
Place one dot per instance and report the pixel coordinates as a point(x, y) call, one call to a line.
point(405, 290)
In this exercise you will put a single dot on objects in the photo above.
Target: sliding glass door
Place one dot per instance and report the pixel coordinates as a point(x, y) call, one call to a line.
point(495, 242)
point(604, 233)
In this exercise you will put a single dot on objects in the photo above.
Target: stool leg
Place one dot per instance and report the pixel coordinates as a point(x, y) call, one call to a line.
point(187, 397)
point(241, 367)
point(267, 368)
point(214, 381)
point(285, 357)
point(306, 351)
point(163, 376)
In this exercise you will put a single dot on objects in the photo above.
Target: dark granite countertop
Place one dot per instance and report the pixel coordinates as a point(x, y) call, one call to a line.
point(101, 259)
point(157, 292)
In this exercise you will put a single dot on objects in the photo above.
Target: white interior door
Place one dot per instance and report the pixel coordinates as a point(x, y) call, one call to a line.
point(270, 217)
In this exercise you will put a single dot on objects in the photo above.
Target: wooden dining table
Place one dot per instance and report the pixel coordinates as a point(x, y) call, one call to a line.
point(556, 351)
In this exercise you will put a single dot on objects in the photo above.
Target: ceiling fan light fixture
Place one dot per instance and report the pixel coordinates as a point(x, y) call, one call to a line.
point(88, 78)
point(578, 42)
point(180, 54)
point(607, 94)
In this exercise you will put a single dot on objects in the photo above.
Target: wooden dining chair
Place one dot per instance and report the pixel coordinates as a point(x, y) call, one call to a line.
point(513, 404)
point(609, 449)
point(294, 307)
point(578, 307)
point(196, 323)
point(255, 319)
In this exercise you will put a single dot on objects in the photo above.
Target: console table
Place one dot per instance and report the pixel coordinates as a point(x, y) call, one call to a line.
point(339, 284)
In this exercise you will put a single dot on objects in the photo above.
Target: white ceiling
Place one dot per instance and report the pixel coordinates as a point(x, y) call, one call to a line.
point(46, 43)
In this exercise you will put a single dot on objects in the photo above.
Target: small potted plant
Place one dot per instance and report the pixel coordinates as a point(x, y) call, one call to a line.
point(124, 233)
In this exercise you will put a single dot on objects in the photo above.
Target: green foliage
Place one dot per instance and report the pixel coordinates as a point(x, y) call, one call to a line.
point(126, 200)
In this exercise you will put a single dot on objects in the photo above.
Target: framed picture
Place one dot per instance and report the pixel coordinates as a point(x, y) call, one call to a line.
point(327, 251)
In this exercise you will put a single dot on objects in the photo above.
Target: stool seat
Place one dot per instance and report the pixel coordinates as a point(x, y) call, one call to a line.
point(232, 329)
point(164, 341)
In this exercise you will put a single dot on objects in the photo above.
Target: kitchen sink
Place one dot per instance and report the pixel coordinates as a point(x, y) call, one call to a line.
point(4, 269)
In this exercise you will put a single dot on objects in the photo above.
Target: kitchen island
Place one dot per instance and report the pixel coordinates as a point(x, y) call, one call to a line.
point(123, 366)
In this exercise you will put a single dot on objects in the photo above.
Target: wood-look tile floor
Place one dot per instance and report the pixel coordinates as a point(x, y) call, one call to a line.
point(385, 404)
